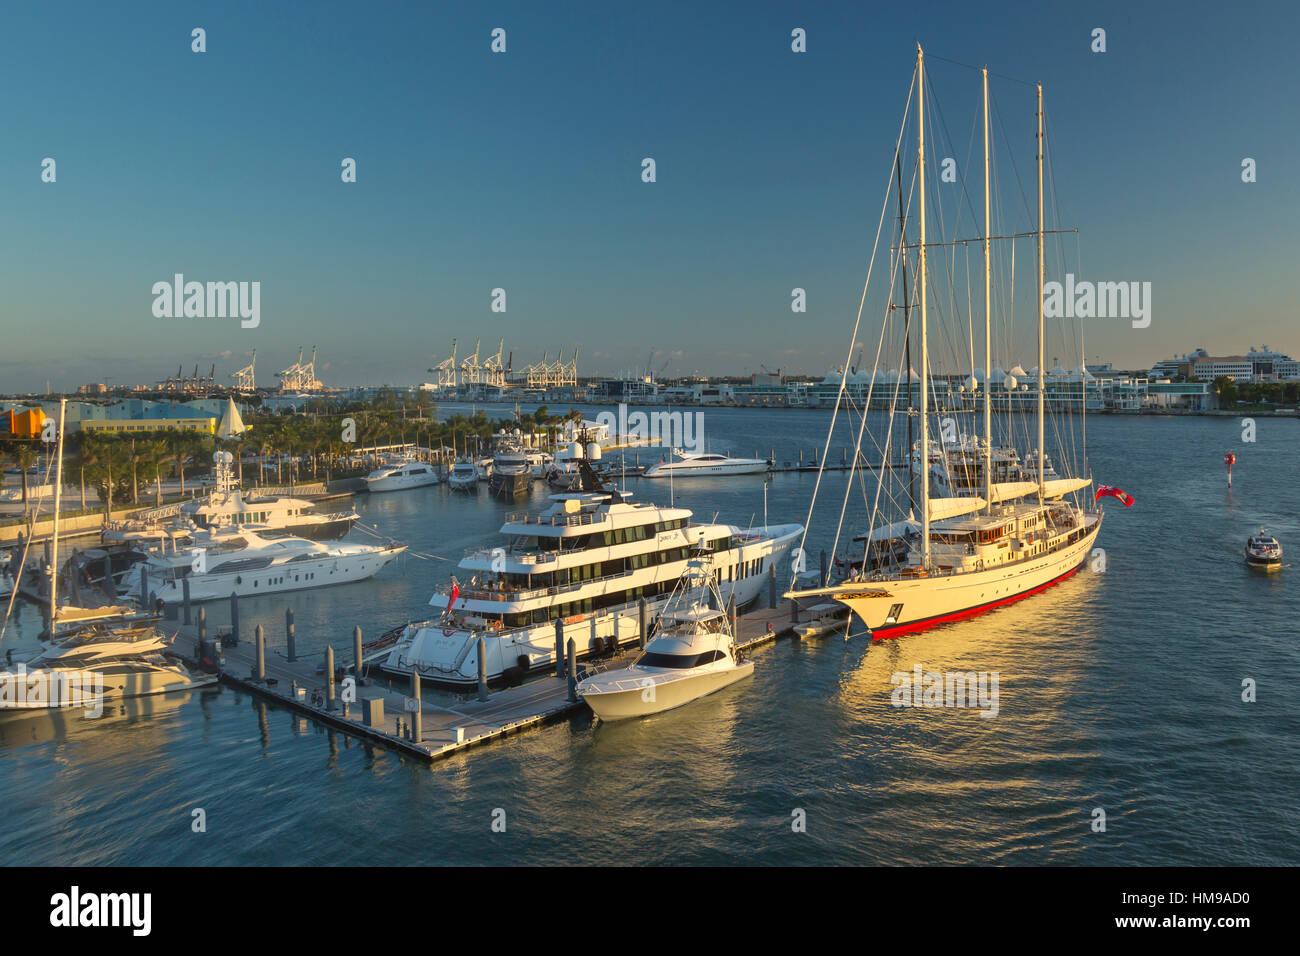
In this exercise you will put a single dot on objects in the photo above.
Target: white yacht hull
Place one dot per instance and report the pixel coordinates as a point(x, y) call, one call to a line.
point(646, 694)
point(682, 470)
point(84, 687)
point(293, 576)
point(401, 482)
point(895, 607)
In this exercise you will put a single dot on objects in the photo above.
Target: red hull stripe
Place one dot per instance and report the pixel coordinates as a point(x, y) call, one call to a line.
point(884, 633)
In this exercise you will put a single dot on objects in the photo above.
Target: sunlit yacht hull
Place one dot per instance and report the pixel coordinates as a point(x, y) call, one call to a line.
point(290, 576)
point(85, 687)
point(620, 694)
point(894, 607)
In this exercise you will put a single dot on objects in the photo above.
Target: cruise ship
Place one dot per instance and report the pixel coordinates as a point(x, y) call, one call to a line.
point(587, 559)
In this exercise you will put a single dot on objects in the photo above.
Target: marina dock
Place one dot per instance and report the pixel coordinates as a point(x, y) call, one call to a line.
point(382, 713)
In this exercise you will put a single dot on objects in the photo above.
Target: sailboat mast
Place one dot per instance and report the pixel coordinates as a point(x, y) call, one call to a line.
point(58, 504)
point(988, 298)
point(925, 345)
point(1042, 372)
point(907, 333)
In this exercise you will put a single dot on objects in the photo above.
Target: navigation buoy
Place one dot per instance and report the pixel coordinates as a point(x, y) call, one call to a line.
point(1229, 459)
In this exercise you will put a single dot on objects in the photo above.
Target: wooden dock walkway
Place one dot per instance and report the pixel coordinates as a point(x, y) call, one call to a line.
point(446, 728)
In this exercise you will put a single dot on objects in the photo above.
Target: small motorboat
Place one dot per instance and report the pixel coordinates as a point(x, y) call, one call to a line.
point(691, 654)
point(1263, 551)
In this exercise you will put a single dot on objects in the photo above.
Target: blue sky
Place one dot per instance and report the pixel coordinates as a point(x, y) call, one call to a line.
point(522, 170)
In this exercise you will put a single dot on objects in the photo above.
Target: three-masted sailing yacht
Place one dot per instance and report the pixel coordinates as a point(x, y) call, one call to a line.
point(995, 541)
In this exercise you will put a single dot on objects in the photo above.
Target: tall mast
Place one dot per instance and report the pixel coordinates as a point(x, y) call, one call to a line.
point(988, 297)
point(907, 333)
point(925, 345)
point(1042, 372)
point(58, 501)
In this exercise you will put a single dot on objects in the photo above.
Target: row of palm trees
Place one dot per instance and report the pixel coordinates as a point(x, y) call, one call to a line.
point(120, 469)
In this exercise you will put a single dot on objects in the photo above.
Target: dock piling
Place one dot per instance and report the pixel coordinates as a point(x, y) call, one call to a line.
point(234, 618)
point(640, 612)
point(417, 725)
point(288, 633)
point(771, 587)
point(185, 597)
point(822, 568)
point(261, 652)
point(356, 653)
point(573, 672)
point(203, 631)
point(329, 677)
point(482, 669)
point(559, 647)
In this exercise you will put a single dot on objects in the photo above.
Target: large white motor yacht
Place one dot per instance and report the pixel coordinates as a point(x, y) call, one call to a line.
point(688, 464)
point(249, 563)
point(692, 653)
point(401, 473)
point(586, 560)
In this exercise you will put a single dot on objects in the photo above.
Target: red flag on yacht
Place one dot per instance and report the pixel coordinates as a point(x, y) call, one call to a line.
point(455, 592)
point(1113, 492)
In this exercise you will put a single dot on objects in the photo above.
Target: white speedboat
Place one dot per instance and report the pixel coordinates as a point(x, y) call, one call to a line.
point(1263, 551)
point(692, 653)
point(691, 465)
point(587, 560)
point(249, 563)
point(89, 669)
point(463, 477)
point(401, 474)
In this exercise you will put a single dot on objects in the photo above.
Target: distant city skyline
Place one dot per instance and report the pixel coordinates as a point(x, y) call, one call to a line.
point(522, 171)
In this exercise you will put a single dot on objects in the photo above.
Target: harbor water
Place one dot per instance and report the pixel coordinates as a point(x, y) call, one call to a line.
point(1120, 698)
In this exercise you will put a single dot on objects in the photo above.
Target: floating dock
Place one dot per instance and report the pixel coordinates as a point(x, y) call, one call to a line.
point(384, 715)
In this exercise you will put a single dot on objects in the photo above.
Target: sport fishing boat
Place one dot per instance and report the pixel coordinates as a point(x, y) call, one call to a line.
point(692, 653)
point(1263, 551)
point(250, 563)
point(463, 477)
point(227, 506)
point(398, 474)
point(692, 465)
point(970, 548)
point(585, 560)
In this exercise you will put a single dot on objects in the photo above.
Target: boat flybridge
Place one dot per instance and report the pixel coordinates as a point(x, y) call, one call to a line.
point(248, 563)
point(705, 464)
point(691, 653)
point(586, 560)
point(976, 527)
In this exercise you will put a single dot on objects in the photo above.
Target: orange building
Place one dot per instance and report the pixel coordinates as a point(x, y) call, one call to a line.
point(24, 423)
